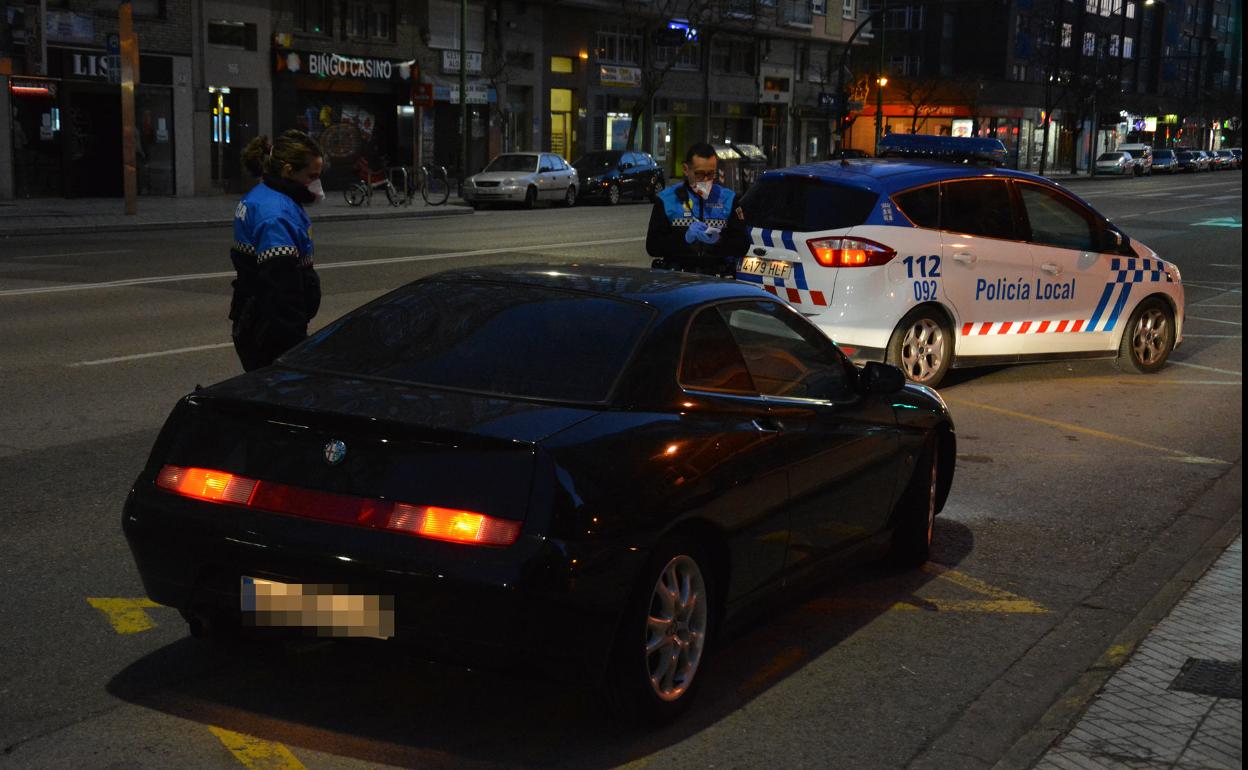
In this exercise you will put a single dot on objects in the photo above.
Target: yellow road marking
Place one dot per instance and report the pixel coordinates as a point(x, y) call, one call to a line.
point(1086, 431)
point(999, 600)
point(127, 616)
point(255, 753)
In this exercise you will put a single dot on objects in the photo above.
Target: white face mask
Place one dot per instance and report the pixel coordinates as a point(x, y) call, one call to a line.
point(317, 190)
point(703, 189)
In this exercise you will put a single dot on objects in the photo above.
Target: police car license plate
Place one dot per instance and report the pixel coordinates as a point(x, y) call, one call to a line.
point(771, 268)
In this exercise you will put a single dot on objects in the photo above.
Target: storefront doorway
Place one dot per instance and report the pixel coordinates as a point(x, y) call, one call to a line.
point(561, 121)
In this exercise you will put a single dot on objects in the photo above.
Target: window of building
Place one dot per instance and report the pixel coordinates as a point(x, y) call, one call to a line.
point(733, 57)
point(1068, 33)
point(1130, 10)
point(520, 59)
point(1106, 7)
point(232, 34)
point(687, 56)
point(1128, 47)
point(904, 18)
point(561, 64)
point(1113, 46)
point(847, 9)
point(1116, 7)
point(819, 6)
point(617, 45)
point(444, 20)
point(1089, 43)
point(370, 19)
point(1092, 6)
point(313, 17)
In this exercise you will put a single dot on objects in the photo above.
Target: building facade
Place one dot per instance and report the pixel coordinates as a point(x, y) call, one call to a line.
point(60, 98)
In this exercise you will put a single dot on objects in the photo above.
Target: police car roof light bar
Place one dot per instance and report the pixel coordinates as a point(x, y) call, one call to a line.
point(957, 149)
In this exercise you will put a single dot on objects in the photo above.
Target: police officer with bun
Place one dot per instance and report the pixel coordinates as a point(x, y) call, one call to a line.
point(277, 291)
point(695, 225)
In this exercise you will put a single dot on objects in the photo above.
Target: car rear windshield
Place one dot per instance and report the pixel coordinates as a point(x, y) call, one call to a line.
point(496, 338)
point(806, 205)
point(597, 161)
point(513, 163)
point(1110, 156)
point(1163, 154)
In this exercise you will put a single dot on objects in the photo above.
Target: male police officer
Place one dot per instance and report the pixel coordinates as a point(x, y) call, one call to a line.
point(694, 225)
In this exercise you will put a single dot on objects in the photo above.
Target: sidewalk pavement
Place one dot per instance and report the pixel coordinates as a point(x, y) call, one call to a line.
point(1178, 700)
point(35, 216)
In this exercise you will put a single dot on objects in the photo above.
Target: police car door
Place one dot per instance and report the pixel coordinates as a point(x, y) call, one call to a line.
point(1079, 303)
point(985, 267)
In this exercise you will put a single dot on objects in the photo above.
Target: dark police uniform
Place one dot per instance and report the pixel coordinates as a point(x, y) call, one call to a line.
point(276, 292)
point(676, 208)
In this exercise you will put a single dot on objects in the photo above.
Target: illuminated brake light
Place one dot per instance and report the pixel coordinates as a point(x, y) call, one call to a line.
point(426, 521)
point(849, 252)
point(205, 484)
point(452, 525)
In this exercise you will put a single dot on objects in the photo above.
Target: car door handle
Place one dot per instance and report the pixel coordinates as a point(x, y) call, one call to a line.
point(964, 258)
point(1051, 268)
point(768, 425)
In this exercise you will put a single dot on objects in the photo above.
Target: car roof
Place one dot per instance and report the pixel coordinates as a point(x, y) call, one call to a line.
point(891, 175)
point(667, 290)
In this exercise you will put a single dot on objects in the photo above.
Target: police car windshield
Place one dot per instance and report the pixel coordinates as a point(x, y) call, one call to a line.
point(805, 204)
point(493, 338)
point(513, 163)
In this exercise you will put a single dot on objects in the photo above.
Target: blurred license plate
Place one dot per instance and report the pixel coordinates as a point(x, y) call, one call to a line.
point(771, 268)
point(328, 609)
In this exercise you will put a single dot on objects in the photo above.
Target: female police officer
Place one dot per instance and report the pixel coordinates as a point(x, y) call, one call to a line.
point(277, 292)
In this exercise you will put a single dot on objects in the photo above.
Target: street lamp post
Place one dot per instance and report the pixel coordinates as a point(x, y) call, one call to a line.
point(842, 97)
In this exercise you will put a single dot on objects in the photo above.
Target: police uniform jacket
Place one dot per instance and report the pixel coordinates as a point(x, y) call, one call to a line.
point(679, 206)
point(277, 291)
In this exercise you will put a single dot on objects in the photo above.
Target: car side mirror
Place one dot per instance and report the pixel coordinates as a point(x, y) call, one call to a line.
point(1115, 242)
point(881, 379)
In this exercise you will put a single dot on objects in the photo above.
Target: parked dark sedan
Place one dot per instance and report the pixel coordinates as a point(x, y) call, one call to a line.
point(590, 469)
point(616, 175)
point(1187, 160)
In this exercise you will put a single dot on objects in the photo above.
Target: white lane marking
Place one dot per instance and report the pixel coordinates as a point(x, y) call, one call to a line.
point(1210, 304)
point(326, 266)
point(1206, 368)
point(1213, 320)
point(1216, 185)
point(1166, 211)
point(71, 254)
point(1206, 285)
point(1229, 267)
point(1214, 336)
point(1226, 197)
point(155, 354)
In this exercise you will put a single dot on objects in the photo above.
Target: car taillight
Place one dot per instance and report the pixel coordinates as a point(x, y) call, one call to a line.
point(427, 521)
point(453, 525)
point(849, 252)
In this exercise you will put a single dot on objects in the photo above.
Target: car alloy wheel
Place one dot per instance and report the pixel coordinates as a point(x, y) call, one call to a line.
point(613, 194)
point(923, 350)
point(915, 514)
point(676, 628)
point(1148, 338)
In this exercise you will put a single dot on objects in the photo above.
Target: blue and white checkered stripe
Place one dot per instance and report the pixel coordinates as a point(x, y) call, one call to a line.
point(768, 238)
point(1128, 271)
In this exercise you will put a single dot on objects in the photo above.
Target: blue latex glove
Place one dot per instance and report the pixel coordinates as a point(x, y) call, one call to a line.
point(696, 232)
point(709, 235)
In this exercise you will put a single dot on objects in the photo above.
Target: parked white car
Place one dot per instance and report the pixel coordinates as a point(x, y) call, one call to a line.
point(525, 178)
point(1117, 162)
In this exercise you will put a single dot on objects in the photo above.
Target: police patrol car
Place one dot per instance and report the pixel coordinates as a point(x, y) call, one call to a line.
point(931, 264)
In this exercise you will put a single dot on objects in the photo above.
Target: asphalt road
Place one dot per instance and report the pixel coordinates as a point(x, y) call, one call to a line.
point(1080, 492)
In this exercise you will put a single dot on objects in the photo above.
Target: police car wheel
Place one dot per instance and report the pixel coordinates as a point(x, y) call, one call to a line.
point(613, 194)
point(922, 346)
point(915, 514)
point(1148, 338)
point(662, 638)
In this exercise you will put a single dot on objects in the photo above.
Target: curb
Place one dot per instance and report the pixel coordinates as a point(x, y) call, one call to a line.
point(450, 210)
point(1060, 718)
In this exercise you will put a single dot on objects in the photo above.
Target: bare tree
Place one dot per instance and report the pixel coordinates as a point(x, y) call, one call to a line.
point(648, 20)
point(923, 95)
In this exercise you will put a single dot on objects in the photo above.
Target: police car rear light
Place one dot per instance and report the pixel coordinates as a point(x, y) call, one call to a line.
point(849, 252)
point(421, 520)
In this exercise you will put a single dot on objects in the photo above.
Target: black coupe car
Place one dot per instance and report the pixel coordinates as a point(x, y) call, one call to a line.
point(611, 176)
point(590, 469)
